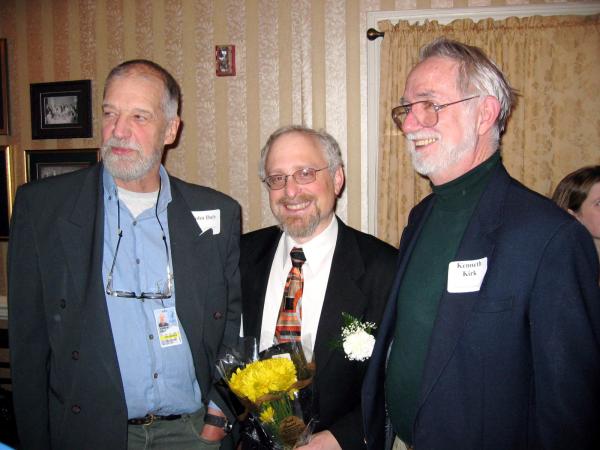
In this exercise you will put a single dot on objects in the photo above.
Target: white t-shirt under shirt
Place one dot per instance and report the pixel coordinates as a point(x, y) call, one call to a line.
point(137, 202)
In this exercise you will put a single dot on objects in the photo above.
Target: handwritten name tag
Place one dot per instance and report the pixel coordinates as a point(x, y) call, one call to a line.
point(466, 276)
point(208, 219)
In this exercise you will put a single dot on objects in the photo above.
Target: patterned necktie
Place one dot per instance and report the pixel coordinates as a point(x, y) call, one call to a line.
point(290, 313)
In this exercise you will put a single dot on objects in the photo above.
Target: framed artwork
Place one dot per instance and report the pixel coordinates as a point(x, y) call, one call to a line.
point(61, 110)
point(48, 163)
point(5, 191)
point(3, 88)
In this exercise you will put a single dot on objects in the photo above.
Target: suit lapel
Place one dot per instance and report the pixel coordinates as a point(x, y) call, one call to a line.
point(82, 237)
point(80, 245)
point(342, 295)
point(410, 235)
point(255, 281)
point(455, 309)
point(192, 252)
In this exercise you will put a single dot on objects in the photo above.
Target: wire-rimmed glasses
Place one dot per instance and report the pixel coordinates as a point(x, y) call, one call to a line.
point(425, 111)
point(305, 175)
point(159, 295)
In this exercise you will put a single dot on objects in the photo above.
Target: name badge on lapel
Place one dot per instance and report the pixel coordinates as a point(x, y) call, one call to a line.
point(466, 276)
point(207, 220)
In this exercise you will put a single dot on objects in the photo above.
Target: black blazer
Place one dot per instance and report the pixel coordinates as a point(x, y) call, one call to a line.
point(361, 273)
point(67, 386)
point(515, 365)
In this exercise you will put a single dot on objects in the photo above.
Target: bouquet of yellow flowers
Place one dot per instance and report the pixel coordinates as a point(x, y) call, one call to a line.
point(273, 389)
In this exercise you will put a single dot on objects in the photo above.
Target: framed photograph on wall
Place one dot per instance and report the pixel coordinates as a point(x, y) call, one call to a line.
point(3, 88)
point(5, 191)
point(48, 163)
point(61, 110)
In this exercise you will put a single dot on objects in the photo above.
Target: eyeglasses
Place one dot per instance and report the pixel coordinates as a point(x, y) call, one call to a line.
point(425, 111)
point(302, 176)
point(144, 295)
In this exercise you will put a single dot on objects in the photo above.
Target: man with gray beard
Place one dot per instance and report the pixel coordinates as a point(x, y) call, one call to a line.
point(342, 270)
point(490, 338)
point(123, 286)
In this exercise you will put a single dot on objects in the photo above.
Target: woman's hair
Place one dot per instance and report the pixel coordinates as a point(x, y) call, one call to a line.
point(573, 189)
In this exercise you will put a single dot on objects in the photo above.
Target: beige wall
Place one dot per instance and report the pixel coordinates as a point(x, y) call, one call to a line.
point(298, 61)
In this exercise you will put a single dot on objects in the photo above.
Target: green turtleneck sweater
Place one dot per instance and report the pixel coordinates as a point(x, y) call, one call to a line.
point(422, 286)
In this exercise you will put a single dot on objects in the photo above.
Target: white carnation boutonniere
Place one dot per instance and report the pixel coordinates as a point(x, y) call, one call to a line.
point(357, 338)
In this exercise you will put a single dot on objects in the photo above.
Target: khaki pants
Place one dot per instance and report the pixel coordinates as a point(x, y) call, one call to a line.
point(180, 434)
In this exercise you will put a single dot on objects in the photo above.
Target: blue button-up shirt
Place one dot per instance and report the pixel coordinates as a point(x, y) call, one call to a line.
point(156, 380)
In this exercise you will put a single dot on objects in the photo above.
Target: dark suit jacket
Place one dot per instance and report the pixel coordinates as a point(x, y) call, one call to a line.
point(68, 392)
point(361, 273)
point(517, 364)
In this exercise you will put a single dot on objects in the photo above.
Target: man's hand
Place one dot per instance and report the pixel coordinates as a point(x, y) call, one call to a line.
point(323, 440)
point(210, 432)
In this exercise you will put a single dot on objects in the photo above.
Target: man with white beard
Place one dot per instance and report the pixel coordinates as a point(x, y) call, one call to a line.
point(490, 337)
point(123, 285)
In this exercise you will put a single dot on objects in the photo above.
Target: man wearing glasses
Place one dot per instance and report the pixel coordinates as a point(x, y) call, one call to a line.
point(490, 338)
point(334, 269)
point(123, 285)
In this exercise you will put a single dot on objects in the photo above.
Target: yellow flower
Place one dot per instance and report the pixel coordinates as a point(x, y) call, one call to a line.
point(267, 415)
point(263, 377)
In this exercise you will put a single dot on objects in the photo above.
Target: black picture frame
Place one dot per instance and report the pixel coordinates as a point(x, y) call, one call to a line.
point(61, 110)
point(47, 163)
point(4, 118)
point(5, 191)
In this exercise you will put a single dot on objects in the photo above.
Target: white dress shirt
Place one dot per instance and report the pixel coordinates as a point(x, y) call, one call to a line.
point(319, 254)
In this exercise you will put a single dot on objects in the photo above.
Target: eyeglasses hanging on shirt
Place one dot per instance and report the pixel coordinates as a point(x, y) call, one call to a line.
point(160, 295)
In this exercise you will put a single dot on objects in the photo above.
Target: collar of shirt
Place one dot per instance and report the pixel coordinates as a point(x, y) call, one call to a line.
point(316, 250)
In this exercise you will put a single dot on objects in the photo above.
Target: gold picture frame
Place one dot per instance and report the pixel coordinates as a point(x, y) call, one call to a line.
point(6, 190)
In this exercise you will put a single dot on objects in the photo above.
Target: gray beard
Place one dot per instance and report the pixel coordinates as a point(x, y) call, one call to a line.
point(301, 229)
point(447, 156)
point(128, 168)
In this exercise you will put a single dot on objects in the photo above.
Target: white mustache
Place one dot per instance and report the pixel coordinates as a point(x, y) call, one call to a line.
point(114, 142)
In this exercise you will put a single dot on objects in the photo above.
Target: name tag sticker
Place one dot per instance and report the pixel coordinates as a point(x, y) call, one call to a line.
point(208, 219)
point(466, 276)
point(167, 326)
